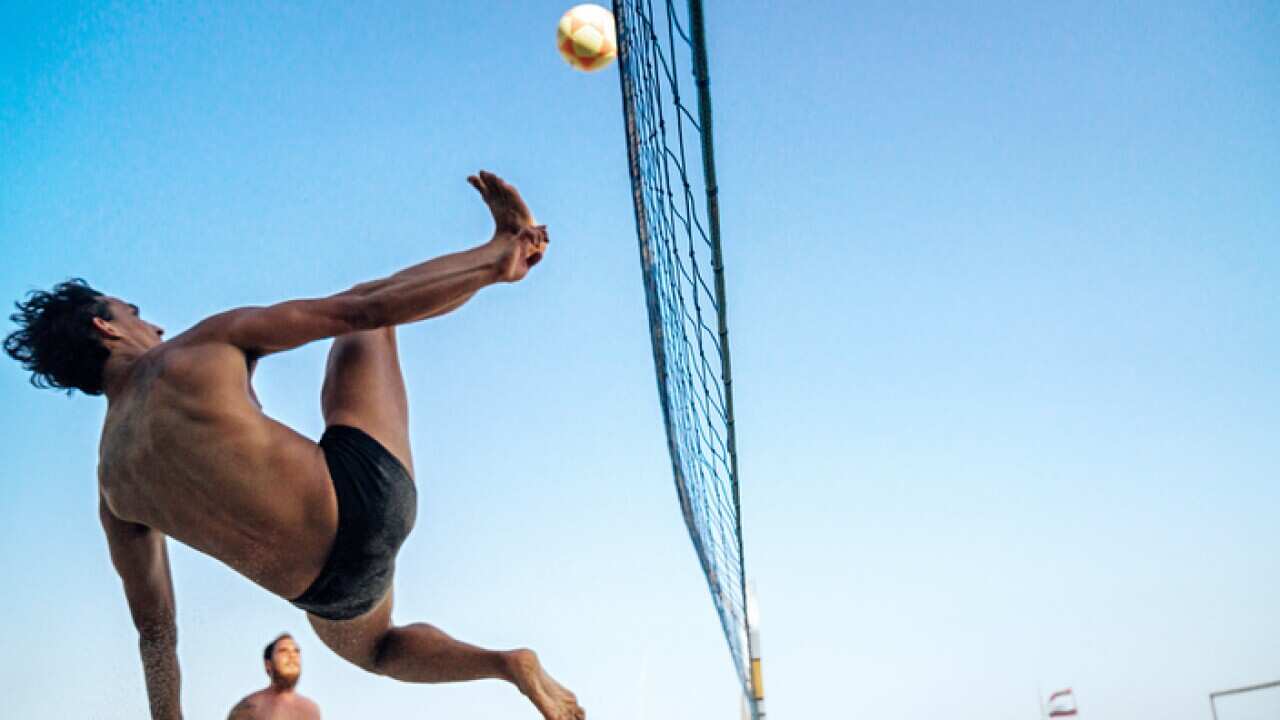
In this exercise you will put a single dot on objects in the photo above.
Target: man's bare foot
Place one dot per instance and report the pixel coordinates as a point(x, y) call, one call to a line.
point(550, 697)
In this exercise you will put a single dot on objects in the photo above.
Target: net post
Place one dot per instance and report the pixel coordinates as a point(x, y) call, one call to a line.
point(702, 80)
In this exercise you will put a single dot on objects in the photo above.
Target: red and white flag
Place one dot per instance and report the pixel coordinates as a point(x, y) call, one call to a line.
point(1062, 704)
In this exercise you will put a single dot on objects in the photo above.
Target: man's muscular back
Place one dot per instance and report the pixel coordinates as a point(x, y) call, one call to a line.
point(186, 450)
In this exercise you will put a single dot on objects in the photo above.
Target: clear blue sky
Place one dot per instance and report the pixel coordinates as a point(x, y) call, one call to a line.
point(1003, 298)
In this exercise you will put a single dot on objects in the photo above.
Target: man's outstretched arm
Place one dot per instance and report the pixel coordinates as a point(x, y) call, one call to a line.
point(425, 290)
point(140, 557)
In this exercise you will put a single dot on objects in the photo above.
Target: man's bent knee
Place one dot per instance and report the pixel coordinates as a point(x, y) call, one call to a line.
point(352, 644)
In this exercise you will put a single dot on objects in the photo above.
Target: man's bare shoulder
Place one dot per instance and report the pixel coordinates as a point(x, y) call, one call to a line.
point(215, 329)
point(205, 346)
point(262, 706)
point(192, 365)
point(311, 711)
point(247, 708)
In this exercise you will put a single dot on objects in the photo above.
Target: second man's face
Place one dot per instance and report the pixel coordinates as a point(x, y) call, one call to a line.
point(286, 660)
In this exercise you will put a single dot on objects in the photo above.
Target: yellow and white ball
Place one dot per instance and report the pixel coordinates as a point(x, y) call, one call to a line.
point(586, 37)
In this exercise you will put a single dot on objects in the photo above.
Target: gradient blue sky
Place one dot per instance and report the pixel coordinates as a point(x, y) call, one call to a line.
point(1003, 298)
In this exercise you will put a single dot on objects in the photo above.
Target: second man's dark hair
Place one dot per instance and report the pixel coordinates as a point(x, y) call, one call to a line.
point(271, 646)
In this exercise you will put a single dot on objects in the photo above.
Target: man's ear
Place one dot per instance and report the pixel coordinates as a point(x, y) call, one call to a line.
point(266, 665)
point(105, 329)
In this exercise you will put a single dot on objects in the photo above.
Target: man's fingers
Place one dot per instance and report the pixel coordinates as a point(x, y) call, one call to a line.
point(493, 182)
point(509, 209)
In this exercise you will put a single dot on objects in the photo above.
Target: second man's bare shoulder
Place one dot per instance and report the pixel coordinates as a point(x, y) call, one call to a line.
point(260, 706)
point(248, 708)
point(308, 710)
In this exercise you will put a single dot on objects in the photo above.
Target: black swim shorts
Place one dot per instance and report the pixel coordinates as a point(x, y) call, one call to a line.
point(377, 505)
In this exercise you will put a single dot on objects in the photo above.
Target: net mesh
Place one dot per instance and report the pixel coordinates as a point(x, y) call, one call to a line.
point(673, 183)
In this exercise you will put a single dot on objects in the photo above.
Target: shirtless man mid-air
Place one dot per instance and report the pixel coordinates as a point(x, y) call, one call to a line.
point(186, 452)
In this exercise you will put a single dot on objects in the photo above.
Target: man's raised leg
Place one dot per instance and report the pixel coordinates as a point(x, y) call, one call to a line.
point(363, 388)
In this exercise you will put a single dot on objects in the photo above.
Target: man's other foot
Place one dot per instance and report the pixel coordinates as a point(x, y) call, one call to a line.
point(550, 697)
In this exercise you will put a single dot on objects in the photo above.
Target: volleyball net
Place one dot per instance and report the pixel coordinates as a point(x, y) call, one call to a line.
point(667, 111)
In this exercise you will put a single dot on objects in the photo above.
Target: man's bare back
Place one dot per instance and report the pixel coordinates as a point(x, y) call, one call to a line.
point(186, 452)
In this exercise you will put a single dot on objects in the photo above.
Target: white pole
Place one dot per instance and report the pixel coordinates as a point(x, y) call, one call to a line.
point(753, 650)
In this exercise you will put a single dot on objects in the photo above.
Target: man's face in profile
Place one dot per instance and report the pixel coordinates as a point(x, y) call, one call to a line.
point(285, 664)
point(126, 320)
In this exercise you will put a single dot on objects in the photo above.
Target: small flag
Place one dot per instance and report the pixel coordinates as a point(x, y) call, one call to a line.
point(1062, 704)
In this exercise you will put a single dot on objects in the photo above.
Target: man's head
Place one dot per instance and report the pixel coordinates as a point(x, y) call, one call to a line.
point(66, 335)
point(283, 661)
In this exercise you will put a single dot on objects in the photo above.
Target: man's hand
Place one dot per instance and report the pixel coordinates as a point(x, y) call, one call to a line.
point(510, 214)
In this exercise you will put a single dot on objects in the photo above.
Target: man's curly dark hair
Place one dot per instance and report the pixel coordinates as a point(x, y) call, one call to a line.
point(56, 339)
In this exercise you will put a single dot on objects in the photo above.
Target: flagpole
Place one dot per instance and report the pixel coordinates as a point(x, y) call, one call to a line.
point(1040, 701)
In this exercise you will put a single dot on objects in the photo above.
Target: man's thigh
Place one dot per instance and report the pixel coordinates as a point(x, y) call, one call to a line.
point(364, 388)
